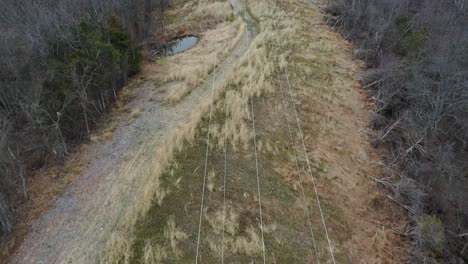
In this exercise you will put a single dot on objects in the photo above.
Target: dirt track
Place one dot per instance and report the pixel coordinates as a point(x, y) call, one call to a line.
point(78, 226)
point(333, 112)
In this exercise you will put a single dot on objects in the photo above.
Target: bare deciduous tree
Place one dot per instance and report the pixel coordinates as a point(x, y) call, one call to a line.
point(62, 64)
point(418, 52)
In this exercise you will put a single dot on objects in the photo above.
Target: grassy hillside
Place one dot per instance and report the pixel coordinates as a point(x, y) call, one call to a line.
point(164, 226)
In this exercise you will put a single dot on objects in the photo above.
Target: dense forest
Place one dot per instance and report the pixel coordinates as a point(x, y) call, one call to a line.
point(62, 63)
point(417, 58)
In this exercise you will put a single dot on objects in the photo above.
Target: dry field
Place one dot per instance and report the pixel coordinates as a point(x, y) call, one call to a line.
point(295, 63)
point(255, 149)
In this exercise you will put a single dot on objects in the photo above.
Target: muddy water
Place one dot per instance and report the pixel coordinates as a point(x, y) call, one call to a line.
point(180, 45)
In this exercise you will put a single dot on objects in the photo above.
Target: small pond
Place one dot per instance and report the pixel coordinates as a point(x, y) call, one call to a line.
point(179, 45)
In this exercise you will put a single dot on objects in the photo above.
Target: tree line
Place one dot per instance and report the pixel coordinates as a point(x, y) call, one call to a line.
point(62, 63)
point(417, 55)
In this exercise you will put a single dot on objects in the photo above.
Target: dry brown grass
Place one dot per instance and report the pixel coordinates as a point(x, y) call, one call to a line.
point(310, 59)
point(135, 113)
point(190, 69)
point(175, 141)
point(43, 189)
point(103, 135)
point(153, 253)
point(238, 90)
point(235, 242)
point(174, 235)
point(217, 10)
point(118, 243)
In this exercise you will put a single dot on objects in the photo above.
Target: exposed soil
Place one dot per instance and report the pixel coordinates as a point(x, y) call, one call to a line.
point(77, 226)
point(362, 223)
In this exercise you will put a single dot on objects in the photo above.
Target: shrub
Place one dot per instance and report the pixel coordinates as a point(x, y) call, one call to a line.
point(432, 232)
point(412, 43)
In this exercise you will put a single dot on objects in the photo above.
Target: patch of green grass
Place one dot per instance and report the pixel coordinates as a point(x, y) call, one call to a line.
point(57, 192)
point(288, 242)
point(162, 61)
point(320, 168)
point(173, 19)
point(432, 235)
point(66, 180)
point(178, 203)
point(134, 84)
point(157, 83)
point(128, 97)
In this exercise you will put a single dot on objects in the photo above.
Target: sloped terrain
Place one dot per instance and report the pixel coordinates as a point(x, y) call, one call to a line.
point(263, 157)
